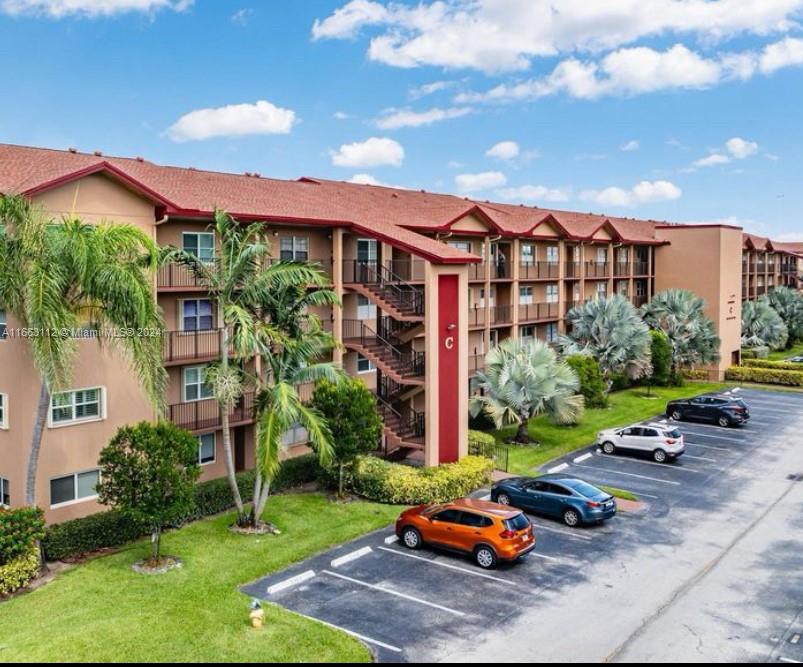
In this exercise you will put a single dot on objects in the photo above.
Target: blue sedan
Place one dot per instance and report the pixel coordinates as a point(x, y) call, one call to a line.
point(572, 500)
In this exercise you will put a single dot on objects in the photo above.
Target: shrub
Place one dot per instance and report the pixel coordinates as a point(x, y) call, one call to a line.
point(592, 386)
point(777, 365)
point(694, 374)
point(397, 484)
point(479, 443)
point(661, 374)
point(20, 530)
point(765, 376)
point(755, 352)
point(19, 572)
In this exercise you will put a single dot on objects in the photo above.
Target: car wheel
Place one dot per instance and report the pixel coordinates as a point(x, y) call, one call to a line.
point(485, 557)
point(659, 456)
point(571, 518)
point(676, 415)
point(503, 499)
point(723, 421)
point(411, 538)
point(608, 448)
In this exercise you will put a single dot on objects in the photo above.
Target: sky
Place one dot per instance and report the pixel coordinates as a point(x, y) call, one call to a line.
point(681, 110)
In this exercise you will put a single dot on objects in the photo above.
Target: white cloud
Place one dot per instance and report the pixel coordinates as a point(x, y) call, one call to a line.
point(398, 118)
point(533, 193)
point(628, 146)
point(506, 35)
point(429, 88)
point(483, 181)
point(644, 192)
point(89, 8)
point(786, 53)
point(234, 120)
point(373, 152)
point(341, 115)
point(712, 160)
point(740, 148)
point(242, 16)
point(504, 150)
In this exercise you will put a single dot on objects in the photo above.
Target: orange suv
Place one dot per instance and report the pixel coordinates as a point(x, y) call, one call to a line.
point(488, 531)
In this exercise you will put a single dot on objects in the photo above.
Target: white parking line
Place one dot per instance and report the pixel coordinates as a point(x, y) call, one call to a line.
point(698, 458)
point(367, 640)
point(354, 555)
point(390, 591)
point(713, 436)
point(449, 566)
point(584, 457)
point(569, 533)
point(558, 468)
point(392, 539)
point(782, 659)
point(718, 449)
point(628, 474)
point(289, 583)
point(666, 466)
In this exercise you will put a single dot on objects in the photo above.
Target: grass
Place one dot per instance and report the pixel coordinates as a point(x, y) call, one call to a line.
point(630, 405)
point(102, 611)
point(795, 351)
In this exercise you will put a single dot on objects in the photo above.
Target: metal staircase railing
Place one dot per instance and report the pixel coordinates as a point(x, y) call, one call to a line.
point(372, 272)
point(407, 363)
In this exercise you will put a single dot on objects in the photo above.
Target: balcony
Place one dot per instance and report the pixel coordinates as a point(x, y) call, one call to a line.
point(573, 270)
point(177, 278)
point(539, 271)
point(537, 312)
point(180, 347)
point(408, 269)
point(641, 268)
point(621, 269)
point(479, 316)
point(476, 362)
point(597, 270)
point(476, 272)
point(205, 415)
point(639, 300)
point(571, 304)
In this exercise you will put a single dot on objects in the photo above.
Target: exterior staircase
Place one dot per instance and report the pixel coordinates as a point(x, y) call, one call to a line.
point(404, 426)
point(376, 282)
point(404, 367)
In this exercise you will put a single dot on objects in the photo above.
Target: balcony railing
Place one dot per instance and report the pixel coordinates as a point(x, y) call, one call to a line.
point(406, 364)
point(410, 270)
point(638, 300)
point(185, 346)
point(501, 271)
point(476, 362)
point(501, 314)
point(205, 415)
point(571, 304)
point(534, 312)
point(476, 272)
point(539, 270)
point(177, 276)
point(597, 269)
point(480, 316)
point(621, 269)
point(573, 270)
point(395, 289)
point(641, 268)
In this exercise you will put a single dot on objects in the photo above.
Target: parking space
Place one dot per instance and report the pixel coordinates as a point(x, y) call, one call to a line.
point(418, 605)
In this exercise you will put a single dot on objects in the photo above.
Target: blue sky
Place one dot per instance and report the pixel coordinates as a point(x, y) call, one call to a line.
point(685, 110)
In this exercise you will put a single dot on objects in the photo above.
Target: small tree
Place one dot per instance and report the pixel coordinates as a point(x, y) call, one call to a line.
point(661, 373)
point(762, 326)
point(788, 303)
point(148, 472)
point(350, 410)
point(592, 386)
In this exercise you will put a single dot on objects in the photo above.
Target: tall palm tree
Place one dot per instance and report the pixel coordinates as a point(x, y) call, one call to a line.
point(523, 379)
point(67, 276)
point(611, 331)
point(240, 279)
point(762, 326)
point(788, 303)
point(680, 314)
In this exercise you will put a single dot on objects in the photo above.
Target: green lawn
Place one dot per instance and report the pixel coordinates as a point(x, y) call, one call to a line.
point(795, 351)
point(103, 611)
point(626, 406)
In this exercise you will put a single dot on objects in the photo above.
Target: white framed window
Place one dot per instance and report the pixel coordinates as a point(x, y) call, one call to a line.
point(194, 385)
point(527, 333)
point(207, 448)
point(4, 411)
point(525, 295)
point(602, 255)
point(623, 255)
point(622, 287)
point(602, 289)
point(200, 244)
point(552, 293)
point(552, 254)
point(465, 246)
point(77, 406)
point(551, 332)
point(365, 309)
point(528, 255)
point(364, 365)
point(75, 488)
point(196, 315)
point(296, 435)
point(5, 493)
point(294, 248)
point(3, 324)
point(482, 297)
point(367, 250)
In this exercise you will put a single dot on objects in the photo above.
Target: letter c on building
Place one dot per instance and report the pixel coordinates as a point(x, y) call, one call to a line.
point(449, 343)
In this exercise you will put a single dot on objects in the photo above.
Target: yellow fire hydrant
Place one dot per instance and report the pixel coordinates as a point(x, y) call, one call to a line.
point(257, 615)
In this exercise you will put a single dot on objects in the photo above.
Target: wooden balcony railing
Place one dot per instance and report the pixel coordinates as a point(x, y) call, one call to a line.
point(535, 312)
point(476, 362)
point(573, 270)
point(621, 269)
point(188, 346)
point(539, 271)
point(641, 268)
point(597, 270)
point(205, 415)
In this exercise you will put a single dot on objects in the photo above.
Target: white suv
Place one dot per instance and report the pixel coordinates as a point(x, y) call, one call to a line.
point(662, 441)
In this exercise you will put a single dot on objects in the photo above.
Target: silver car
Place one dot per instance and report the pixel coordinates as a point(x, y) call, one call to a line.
point(662, 441)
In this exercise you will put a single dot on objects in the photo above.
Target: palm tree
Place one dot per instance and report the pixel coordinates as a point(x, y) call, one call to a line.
point(762, 326)
point(788, 303)
point(523, 379)
point(680, 314)
point(240, 279)
point(69, 276)
point(611, 331)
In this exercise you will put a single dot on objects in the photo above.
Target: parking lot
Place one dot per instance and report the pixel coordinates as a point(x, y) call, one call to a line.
point(721, 524)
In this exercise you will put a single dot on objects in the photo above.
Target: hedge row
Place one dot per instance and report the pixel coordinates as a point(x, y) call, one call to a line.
point(777, 365)
point(755, 352)
point(765, 376)
point(111, 529)
point(397, 484)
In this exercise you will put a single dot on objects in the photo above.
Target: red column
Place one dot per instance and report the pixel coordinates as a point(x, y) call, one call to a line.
point(448, 368)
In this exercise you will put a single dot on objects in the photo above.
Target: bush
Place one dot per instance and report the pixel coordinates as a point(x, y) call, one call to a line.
point(777, 365)
point(694, 374)
point(755, 352)
point(386, 482)
point(109, 529)
point(480, 444)
point(661, 359)
point(19, 572)
point(20, 530)
point(765, 376)
point(592, 386)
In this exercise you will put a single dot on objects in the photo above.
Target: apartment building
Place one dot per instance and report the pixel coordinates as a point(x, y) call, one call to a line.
point(767, 264)
point(428, 284)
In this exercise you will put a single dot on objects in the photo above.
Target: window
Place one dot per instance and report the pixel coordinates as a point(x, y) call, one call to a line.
point(602, 255)
point(364, 365)
point(474, 520)
point(528, 254)
point(207, 445)
point(552, 254)
point(200, 244)
point(465, 246)
point(527, 333)
point(551, 332)
point(622, 287)
point(195, 386)
point(552, 293)
point(296, 435)
point(3, 324)
point(447, 516)
point(602, 289)
point(5, 493)
point(74, 488)
point(482, 297)
point(294, 248)
point(367, 250)
point(76, 406)
point(365, 309)
point(196, 315)
point(525, 295)
point(623, 256)
point(3, 411)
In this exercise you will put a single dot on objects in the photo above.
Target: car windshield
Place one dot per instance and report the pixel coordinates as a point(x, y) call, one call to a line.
point(518, 522)
point(674, 433)
point(584, 488)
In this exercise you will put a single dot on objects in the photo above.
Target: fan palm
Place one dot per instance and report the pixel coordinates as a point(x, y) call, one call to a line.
point(523, 379)
point(692, 335)
point(788, 303)
point(69, 275)
point(611, 331)
point(762, 326)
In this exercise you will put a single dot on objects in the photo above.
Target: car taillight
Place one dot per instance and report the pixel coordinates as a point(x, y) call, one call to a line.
point(670, 441)
point(507, 535)
point(591, 503)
